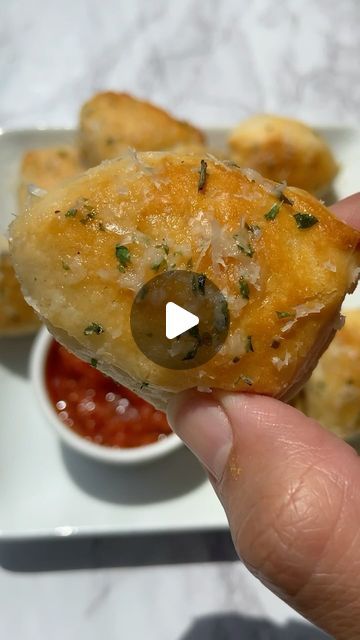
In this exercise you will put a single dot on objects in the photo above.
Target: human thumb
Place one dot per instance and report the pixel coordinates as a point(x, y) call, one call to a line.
point(291, 492)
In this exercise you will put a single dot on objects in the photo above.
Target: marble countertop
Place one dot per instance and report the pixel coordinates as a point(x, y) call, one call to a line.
point(212, 63)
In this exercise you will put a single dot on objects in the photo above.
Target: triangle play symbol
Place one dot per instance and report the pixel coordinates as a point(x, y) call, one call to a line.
point(178, 320)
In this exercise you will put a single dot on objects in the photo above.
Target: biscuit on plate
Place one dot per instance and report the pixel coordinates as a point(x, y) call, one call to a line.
point(283, 149)
point(280, 257)
point(332, 394)
point(111, 122)
point(16, 316)
point(40, 169)
point(44, 168)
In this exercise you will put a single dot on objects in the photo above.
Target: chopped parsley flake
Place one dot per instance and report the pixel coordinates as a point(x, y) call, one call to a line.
point(198, 283)
point(305, 220)
point(91, 214)
point(101, 226)
point(252, 227)
point(283, 198)
point(222, 322)
point(71, 213)
point(93, 362)
point(272, 213)
point(244, 288)
point(202, 175)
point(65, 266)
point(143, 292)
point(244, 248)
point(285, 314)
point(245, 379)
point(93, 328)
point(123, 255)
point(163, 246)
point(275, 344)
point(249, 344)
point(162, 264)
point(192, 353)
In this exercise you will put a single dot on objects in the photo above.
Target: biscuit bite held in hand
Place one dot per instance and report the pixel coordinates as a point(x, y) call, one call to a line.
point(283, 261)
point(112, 122)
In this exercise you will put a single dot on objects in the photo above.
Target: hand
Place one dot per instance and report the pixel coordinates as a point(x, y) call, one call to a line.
point(291, 492)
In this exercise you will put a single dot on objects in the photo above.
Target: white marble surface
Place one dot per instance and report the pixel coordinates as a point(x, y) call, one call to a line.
point(212, 62)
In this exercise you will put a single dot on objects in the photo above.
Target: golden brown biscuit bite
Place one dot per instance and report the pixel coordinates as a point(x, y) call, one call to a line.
point(16, 316)
point(332, 394)
point(111, 122)
point(45, 167)
point(283, 261)
point(284, 149)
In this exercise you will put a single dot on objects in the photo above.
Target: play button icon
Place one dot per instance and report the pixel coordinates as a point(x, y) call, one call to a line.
point(179, 319)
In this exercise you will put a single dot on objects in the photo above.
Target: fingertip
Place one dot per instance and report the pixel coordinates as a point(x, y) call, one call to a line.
point(348, 210)
point(200, 421)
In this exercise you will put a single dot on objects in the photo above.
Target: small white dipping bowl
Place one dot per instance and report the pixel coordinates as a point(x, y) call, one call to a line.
point(121, 456)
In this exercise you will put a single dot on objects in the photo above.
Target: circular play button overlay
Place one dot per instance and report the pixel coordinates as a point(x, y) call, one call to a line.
point(179, 319)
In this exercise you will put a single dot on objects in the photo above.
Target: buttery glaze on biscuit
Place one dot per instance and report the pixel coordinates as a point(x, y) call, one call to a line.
point(281, 258)
point(111, 122)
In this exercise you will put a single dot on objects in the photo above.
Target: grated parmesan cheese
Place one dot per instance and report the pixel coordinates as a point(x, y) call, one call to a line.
point(279, 363)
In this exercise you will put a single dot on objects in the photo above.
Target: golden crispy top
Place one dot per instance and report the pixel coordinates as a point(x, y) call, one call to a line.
point(281, 258)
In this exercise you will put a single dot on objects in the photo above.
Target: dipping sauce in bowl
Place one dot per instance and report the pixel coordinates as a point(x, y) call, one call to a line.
point(96, 407)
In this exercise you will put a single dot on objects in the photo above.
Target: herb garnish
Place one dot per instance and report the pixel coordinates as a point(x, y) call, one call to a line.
point(275, 344)
point(143, 292)
point(305, 220)
point(91, 214)
point(162, 264)
point(123, 255)
point(244, 288)
point(198, 283)
point(192, 353)
point(71, 213)
point(252, 227)
point(93, 328)
point(285, 314)
point(163, 246)
point(283, 198)
point(249, 344)
point(93, 362)
point(247, 249)
point(245, 379)
point(272, 213)
point(202, 174)
point(221, 322)
point(143, 385)
point(65, 266)
point(101, 226)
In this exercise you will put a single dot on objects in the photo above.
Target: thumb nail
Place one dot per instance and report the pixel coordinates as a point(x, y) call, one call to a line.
point(200, 421)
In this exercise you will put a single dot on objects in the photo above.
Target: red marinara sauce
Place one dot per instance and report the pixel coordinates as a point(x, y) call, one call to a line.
point(96, 407)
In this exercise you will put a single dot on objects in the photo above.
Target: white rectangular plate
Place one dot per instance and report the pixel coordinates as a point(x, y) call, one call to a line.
point(47, 490)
